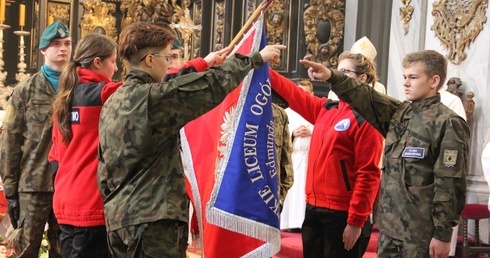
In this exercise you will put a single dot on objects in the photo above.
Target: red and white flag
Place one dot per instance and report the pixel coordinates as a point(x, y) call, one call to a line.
point(230, 165)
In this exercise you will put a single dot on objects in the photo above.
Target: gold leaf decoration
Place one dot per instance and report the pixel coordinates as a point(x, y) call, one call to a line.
point(457, 23)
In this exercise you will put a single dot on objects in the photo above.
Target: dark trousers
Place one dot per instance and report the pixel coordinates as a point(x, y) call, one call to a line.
point(322, 232)
point(83, 242)
point(159, 239)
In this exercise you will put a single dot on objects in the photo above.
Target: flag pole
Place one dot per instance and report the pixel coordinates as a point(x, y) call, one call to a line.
point(262, 7)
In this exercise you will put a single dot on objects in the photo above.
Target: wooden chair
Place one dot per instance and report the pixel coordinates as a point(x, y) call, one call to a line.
point(475, 212)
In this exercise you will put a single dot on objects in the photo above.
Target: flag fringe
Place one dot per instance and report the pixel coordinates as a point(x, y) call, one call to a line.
point(261, 231)
point(188, 166)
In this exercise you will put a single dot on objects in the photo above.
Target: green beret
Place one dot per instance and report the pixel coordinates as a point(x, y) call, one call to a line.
point(56, 30)
point(176, 44)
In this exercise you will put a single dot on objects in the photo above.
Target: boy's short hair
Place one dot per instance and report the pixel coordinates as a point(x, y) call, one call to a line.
point(434, 63)
point(139, 36)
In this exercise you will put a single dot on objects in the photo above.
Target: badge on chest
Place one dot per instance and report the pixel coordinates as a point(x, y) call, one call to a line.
point(414, 152)
point(342, 125)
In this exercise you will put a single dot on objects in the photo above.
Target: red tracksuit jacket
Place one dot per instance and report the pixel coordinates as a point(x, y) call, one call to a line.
point(345, 151)
point(74, 201)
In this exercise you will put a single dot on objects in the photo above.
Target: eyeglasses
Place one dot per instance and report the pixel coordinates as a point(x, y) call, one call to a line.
point(168, 57)
point(346, 71)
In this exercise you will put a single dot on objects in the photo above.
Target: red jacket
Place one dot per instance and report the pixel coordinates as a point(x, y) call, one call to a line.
point(345, 151)
point(76, 200)
point(194, 65)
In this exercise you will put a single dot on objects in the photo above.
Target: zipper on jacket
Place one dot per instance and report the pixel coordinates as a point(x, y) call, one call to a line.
point(344, 173)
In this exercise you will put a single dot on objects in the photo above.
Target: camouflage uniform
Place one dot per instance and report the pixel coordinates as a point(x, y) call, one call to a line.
point(140, 171)
point(284, 149)
point(26, 141)
point(423, 186)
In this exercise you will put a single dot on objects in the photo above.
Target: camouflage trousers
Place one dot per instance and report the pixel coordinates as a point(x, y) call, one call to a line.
point(35, 210)
point(162, 238)
point(389, 248)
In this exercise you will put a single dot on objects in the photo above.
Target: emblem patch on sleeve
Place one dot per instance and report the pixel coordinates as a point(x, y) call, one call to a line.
point(450, 158)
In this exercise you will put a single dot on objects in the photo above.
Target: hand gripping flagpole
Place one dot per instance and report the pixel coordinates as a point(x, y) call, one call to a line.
point(255, 15)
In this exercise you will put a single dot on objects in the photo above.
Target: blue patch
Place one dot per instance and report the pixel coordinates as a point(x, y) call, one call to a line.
point(343, 125)
point(75, 116)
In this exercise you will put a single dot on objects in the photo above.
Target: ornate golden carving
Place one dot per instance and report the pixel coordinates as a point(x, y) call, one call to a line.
point(34, 36)
point(457, 23)
point(406, 15)
point(169, 12)
point(324, 30)
point(197, 33)
point(276, 20)
point(60, 12)
point(97, 18)
point(186, 27)
point(219, 17)
point(149, 11)
point(250, 8)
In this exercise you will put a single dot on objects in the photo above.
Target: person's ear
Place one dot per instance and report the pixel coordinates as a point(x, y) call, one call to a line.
point(435, 81)
point(149, 61)
point(97, 62)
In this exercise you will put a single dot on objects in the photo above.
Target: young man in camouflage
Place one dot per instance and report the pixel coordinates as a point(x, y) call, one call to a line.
point(176, 53)
point(423, 187)
point(284, 147)
point(140, 171)
point(26, 141)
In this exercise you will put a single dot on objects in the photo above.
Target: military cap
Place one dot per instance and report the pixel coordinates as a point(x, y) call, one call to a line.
point(56, 30)
point(176, 44)
point(364, 47)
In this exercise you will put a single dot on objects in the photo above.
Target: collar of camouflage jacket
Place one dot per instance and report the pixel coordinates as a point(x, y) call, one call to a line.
point(138, 75)
point(424, 104)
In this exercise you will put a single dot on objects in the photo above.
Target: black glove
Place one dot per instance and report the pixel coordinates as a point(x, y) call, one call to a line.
point(13, 210)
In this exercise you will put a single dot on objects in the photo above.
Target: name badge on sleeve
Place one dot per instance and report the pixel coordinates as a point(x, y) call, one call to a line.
point(414, 152)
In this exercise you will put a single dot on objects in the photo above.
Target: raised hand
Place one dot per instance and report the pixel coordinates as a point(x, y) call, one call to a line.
point(214, 58)
point(317, 71)
point(271, 51)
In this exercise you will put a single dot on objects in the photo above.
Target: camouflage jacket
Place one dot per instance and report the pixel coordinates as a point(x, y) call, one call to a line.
point(423, 185)
point(284, 148)
point(26, 137)
point(140, 171)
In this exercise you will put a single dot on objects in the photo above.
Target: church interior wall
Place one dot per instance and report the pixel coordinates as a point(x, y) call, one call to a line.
point(408, 29)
